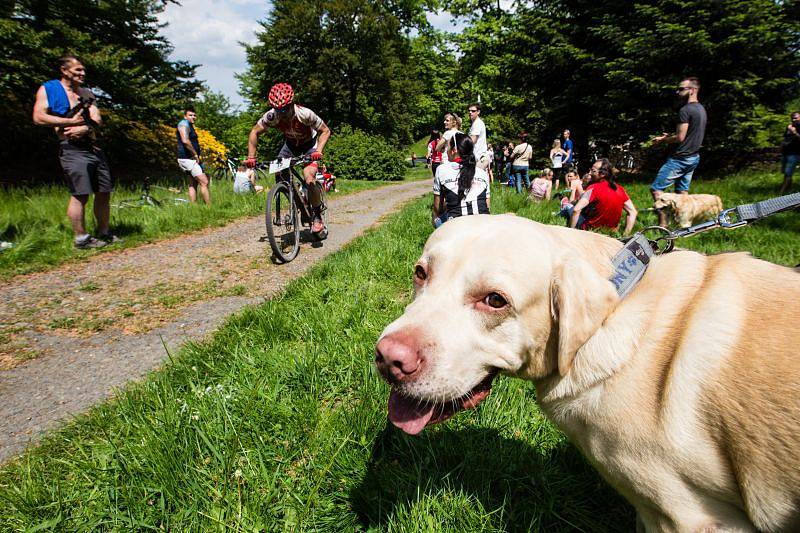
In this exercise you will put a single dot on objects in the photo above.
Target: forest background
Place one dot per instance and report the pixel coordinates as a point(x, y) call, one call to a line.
point(382, 77)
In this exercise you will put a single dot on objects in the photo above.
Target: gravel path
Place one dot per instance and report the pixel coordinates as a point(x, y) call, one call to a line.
point(90, 327)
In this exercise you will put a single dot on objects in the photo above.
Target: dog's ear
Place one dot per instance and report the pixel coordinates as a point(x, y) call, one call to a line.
point(581, 300)
point(659, 203)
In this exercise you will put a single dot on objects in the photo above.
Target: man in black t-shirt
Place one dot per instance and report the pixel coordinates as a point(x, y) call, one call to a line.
point(790, 152)
point(689, 134)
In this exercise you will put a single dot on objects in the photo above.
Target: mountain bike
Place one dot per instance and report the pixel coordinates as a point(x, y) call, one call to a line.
point(288, 207)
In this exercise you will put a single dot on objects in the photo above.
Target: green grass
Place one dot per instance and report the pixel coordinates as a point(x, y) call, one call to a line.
point(35, 221)
point(279, 421)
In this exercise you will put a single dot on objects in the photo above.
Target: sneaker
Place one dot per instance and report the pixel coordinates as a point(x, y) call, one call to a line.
point(110, 238)
point(317, 226)
point(89, 242)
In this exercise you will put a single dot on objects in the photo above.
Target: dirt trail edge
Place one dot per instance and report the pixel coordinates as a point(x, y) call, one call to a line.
point(96, 325)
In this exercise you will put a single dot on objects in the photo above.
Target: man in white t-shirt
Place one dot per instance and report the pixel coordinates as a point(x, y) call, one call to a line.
point(477, 132)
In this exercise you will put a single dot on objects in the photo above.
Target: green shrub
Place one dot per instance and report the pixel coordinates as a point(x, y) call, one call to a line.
point(353, 154)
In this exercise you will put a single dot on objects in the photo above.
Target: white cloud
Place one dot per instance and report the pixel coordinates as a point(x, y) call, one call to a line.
point(208, 32)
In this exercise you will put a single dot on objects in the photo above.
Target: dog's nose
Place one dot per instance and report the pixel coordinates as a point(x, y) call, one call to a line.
point(397, 356)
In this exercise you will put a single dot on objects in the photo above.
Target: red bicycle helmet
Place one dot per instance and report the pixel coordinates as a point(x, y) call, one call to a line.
point(281, 95)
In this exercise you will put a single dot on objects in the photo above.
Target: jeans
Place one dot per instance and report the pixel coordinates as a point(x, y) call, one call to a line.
point(566, 212)
point(789, 162)
point(677, 170)
point(520, 173)
point(441, 219)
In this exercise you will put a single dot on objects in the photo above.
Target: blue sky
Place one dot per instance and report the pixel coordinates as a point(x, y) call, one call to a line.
point(208, 32)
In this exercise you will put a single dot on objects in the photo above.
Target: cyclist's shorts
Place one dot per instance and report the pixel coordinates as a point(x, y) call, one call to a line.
point(297, 151)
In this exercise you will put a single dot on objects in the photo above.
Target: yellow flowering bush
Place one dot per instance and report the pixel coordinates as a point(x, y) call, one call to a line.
point(213, 151)
point(133, 142)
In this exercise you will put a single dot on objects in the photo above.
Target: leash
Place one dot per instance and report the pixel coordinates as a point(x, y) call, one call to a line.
point(632, 261)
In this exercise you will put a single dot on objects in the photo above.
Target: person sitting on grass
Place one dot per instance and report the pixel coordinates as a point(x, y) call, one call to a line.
point(244, 182)
point(572, 194)
point(602, 204)
point(541, 187)
point(328, 179)
point(460, 187)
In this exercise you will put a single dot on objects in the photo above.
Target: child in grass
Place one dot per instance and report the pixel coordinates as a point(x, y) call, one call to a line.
point(244, 181)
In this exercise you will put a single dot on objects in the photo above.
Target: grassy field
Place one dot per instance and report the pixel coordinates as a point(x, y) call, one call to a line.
point(279, 421)
point(35, 221)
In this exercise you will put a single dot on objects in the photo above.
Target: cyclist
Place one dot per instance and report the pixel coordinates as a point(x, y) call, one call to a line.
point(304, 133)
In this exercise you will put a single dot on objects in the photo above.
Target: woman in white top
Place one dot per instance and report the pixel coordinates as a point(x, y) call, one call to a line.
point(460, 187)
point(245, 181)
point(558, 157)
point(452, 124)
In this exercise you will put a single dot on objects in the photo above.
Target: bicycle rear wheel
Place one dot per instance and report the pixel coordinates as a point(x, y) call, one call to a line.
point(283, 223)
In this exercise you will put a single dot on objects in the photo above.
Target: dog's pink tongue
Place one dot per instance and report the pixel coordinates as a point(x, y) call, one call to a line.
point(409, 415)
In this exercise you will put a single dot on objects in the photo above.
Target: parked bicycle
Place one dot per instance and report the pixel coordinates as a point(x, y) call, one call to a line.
point(145, 199)
point(226, 169)
point(288, 207)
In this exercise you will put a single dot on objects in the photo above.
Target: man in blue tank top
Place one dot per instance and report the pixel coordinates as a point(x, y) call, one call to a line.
point(70, 109)
point(189, 156)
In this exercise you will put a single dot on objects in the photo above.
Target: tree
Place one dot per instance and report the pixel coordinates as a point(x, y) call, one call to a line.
point(608, 70)
point(349, 60)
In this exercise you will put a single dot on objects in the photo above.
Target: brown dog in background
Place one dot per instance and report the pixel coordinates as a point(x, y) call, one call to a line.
point(685, 209)
point(684, 394)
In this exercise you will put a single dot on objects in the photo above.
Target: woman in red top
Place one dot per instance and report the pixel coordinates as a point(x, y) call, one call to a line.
point(602, 204)
point(434, 155)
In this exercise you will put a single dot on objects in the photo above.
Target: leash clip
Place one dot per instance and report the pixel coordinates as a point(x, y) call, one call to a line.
point(724, 219)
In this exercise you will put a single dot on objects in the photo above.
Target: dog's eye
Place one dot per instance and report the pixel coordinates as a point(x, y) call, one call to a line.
point(420, 274)
point(495, 301)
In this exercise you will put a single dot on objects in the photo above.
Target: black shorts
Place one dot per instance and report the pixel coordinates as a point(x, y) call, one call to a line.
point(434, 166)
point(85, 169)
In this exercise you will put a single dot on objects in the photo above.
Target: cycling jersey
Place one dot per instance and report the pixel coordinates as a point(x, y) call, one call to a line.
point(445, 184)
point(297, 131)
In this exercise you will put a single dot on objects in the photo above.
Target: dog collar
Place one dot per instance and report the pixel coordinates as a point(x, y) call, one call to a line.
point(631, 263)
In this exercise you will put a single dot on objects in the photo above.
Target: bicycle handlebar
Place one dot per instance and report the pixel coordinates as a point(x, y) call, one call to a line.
point(293, 161)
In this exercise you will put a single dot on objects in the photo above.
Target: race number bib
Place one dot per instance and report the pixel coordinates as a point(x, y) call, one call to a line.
point(279, 164)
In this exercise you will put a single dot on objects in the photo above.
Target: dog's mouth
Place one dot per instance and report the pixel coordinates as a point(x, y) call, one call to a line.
point(412, 415)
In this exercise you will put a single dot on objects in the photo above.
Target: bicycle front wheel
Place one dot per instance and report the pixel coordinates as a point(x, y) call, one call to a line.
point(283, 223)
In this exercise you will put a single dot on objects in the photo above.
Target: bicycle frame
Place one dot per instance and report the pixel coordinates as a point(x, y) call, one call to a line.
point(297, 182)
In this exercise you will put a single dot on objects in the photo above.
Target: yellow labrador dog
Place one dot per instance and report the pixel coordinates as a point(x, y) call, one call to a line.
point(685, 394)
point(689, 208)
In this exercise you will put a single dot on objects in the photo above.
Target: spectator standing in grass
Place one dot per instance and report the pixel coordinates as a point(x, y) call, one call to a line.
point(558, 161)
point(499, 161)
point(477, 133)
point(490, 167)
point(602, 204)
point(189, 156)
point(541, 187)
point(434, 155)
point(507, 149)
point(460, 186)
point(790, 152)
point(520, 162)
point(569, 148)
point(689, 134)
point(71, 110)
point(452, 125)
